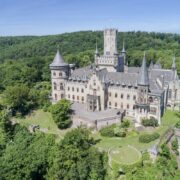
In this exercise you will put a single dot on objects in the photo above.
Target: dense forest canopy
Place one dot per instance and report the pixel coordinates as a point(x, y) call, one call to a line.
point(26, 59)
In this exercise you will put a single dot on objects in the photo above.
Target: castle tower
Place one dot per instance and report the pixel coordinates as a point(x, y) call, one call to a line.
point(59, 75)
point(110, 42)
point(142, 106)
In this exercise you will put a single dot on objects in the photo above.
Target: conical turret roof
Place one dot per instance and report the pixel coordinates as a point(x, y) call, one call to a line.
point(143, 78)
point(58, 61)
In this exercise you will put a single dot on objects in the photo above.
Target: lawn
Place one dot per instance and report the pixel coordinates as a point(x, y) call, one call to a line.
point(44, 120)
point(125, 155)
point(169, 120)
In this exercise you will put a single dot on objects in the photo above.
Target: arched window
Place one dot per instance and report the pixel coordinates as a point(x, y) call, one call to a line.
point(134, 107)
point(55, 86)
point(150, 99)
point(78, 98)
point(60, 74)
point(77, 89)
point(82, 90)
point(69, 96)
point(115, 104)
point(68, 88)
point(54, 73)
point(109, 94)
point(55, 96)
point(72, 88)
point(62, 96)
point(73, 97)
point(128, 96)
point(127, 106)
point(82, 99)
point(115, 95)
point(109, 103)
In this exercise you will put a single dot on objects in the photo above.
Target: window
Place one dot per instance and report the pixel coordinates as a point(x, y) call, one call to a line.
point(109, 94)
point(134, 107)
point(82, 99)
point(61, 86)
point(121, 105)
point(94, 92)
point(60, 74)
point(54, 74)
point(69, 96)
point(68, 88)
point(170, 93)
point(77, 89)
point(109, 103)
point(62, 96)
point(134, 97)
point(127, 106)
point(78, 98)
point(82, 90)
point(55, 96)
point(55, 86)
point(94, 83)
point(150, 99)
point(115, 95)
point(73, 97)
point(115, 104)
point(121, 96)
point(128, 96)
point(72, 88)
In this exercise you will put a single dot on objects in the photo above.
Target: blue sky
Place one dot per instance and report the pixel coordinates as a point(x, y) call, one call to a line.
point(41, 17)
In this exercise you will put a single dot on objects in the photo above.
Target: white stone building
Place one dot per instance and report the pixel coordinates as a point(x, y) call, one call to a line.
point(139, 92)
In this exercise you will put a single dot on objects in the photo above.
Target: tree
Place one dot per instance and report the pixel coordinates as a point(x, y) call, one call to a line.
point(27, 156)
point(61, 113)
point(77, 158)
point(18, 99)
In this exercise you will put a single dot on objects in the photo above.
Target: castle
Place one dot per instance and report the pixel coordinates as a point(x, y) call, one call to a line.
point(138, 92)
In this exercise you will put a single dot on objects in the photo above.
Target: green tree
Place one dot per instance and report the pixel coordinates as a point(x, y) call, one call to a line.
point(61, 113)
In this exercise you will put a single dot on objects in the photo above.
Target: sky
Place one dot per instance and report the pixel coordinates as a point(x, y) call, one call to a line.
point(45, 17)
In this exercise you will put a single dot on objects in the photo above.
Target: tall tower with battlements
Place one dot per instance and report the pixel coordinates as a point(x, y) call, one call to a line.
point(110, 59)
point(110, 42)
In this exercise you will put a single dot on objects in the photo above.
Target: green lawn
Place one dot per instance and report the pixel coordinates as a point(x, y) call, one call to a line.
point(125, 155)
point(44, 120)
point(170, 118)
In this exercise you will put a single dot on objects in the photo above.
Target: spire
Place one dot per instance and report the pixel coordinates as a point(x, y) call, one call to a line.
point(58, 61)
point(174, 63)
point(143, 78)
point(123, 49)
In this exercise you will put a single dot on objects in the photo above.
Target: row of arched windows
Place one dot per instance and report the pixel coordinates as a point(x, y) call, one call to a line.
point(76, 89)
point(122, 106)
point(61, 86)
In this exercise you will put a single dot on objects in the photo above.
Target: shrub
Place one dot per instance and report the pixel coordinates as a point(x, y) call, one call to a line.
point(108, 131)
point(146, 138)
point(119, 132)
point(175, 145)
point(125, 124)
point(177, 125)
point(150, 122)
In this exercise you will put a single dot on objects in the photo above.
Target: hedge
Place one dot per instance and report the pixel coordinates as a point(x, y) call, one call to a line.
point(146, 138)
point(108, 131)
point(150, 122)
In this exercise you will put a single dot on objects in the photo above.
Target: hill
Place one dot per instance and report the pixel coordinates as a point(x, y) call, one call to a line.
point(25, 59)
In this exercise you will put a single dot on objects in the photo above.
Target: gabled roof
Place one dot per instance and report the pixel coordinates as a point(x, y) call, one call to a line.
point(143, 78)
point(58, 61)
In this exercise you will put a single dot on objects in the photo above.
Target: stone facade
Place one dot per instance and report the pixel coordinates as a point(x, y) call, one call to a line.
point(139, 92)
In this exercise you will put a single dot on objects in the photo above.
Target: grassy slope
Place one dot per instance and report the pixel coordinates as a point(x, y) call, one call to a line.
point(44, 119)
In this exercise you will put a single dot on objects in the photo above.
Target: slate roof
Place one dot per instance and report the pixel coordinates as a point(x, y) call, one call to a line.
point(58, 61)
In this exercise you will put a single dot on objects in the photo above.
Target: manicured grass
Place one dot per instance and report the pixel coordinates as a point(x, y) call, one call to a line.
point(125, 155)
point(170, 118)
point(44, 120)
